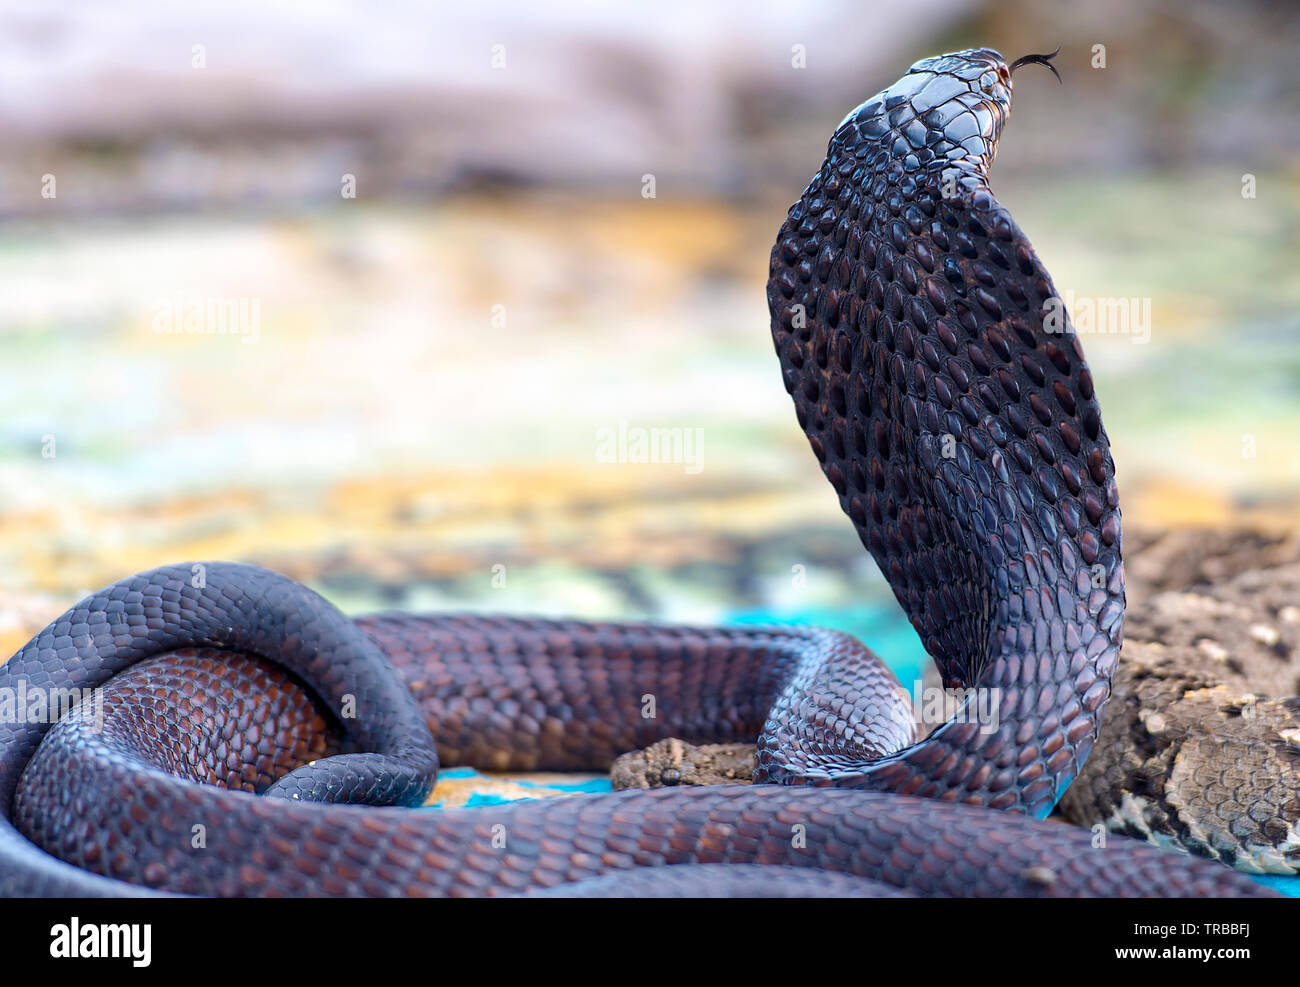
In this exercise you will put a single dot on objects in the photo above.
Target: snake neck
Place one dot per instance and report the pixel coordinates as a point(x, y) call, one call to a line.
point(963, 439)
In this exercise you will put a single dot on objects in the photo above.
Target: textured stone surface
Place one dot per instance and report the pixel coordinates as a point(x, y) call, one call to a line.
point(1201, 744)
point(674, 762)
point(1157, 559)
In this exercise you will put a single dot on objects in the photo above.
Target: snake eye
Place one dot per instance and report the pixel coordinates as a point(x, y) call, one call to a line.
point(1004, 73)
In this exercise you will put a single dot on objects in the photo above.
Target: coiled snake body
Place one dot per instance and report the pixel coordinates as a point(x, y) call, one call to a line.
point(966, 446)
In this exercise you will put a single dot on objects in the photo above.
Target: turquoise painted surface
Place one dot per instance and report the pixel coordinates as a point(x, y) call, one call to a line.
point(881, 626)
point(484, 798)
point(1289, 886)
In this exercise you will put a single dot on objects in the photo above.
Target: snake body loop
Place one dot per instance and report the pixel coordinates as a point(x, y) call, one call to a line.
point(965, 445)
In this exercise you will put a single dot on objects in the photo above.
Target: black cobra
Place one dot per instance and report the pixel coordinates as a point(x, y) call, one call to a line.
point(965, 444)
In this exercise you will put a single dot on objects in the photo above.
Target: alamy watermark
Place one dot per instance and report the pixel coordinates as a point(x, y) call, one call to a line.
point(1098, 315)
point(102, 940)
point(26, 703)
point(225, 316)
point(626, 443)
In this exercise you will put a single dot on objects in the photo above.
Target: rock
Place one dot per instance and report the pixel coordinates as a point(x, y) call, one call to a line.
point(675, 762)
point(1166, 559)
point(1245, 631)
point(1197, 748)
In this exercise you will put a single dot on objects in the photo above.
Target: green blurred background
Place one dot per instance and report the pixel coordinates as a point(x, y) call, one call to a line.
point(414, 415)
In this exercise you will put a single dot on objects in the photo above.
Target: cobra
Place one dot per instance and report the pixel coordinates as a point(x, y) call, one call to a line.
point(966, 446)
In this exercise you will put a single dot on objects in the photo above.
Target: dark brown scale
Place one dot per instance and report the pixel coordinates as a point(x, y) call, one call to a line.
point(953, 534)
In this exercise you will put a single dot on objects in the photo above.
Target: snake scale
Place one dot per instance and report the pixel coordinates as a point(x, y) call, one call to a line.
point(966, 446)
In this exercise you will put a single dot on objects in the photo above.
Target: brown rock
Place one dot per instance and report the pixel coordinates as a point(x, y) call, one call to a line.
point(675, 762)
point(1197, 745)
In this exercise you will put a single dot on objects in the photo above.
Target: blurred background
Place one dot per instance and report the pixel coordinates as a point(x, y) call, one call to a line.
point(453, 265)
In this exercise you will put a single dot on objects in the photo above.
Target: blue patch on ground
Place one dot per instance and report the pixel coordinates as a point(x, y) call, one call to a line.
point(881, 627)
point(491, 798)
point(1289, 886)
point(484, 798)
